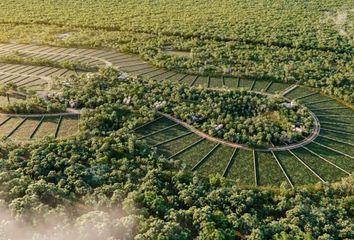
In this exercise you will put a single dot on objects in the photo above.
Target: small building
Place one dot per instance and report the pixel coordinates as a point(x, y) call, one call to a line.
point(123, 76)
point(127, 100)
point(194, 118)
point(290, 105)
point(218, 127)
point(73, 104)
point(158, 105)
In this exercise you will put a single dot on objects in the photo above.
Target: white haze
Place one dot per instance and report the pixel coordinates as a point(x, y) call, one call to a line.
point(341, 22)
point(93, 225)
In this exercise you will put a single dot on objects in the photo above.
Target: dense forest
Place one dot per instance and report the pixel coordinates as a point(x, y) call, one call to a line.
point(259, 39)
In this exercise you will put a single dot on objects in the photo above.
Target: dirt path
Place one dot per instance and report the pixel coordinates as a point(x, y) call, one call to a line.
point(309, 139)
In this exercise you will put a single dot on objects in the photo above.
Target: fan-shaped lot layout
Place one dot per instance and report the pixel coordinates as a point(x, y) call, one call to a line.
point(325, 155)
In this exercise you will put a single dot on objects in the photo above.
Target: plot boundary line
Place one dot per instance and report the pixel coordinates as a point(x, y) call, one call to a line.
point(334, 150)
point(230, 162)
point(326, 160)
point(186, 148)
point(158, 131)
point(255, 168)
point(194, 80)
point(173, 139)
point(268, 86)
point(307, 166)
point(57, 129)
point(205, 157)
point(283, 170)
point(35, 130)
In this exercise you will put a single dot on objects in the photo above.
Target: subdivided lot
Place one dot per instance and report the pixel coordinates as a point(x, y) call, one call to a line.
point(165, 76)
point(323, 168)
point(338, 119)
point(216, 82)
point(277, 87)
point(342, 154)
point(189, 79)
point(343, 134)
point(69, 126)
point(8, 125)
point(138, 68)
point(201, 81)
point(242, 169)
point(24, 129)
point(173, 132)
point(152, 74)
point(298, 172)
point(334, 111)
point(231, 82)
point(269, 171)
point(157, 125)
point(341, 148)
point(217, 161)
point(298, 93)
point(326, 103)
point(173, 147)
point(315, 97)
point(245, 83)
point(24, 132)
point(192, 156)
point(178, 77)
point(261, 86)
point(47, 128)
